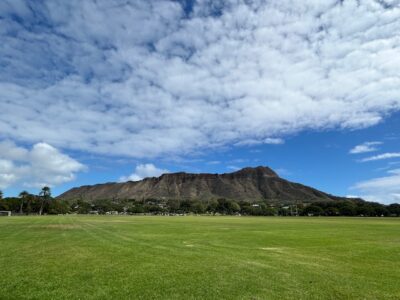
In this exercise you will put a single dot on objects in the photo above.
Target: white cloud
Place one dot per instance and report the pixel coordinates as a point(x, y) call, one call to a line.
point(233, 168)
point(365, 147)
point(213, 162)
point(283, 172)
point(382, 156)
point(383, 189)
point(144, 171)
point(253, 142)
point(42, 165)
point(8, 174)
point(8, 150)
point(352, 196)
point(155, 81)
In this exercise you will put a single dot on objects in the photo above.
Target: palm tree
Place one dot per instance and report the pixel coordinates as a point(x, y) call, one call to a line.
point(45, 194)
point(23, 195)
point(1, 194)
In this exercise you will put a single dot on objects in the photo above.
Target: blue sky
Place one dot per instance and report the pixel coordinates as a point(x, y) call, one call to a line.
point(99, 91)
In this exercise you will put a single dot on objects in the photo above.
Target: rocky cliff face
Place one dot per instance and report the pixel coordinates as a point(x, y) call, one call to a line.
point(248, 184)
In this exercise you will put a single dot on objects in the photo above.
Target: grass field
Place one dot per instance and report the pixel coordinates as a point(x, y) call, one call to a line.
point(111, 257)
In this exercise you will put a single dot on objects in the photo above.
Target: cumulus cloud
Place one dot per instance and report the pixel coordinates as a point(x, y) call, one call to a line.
point(382, 156)
point(383, 189)
point(8, 173)
point(144, 171)
point(42, 165)
point(156, 79)
point(365, 147)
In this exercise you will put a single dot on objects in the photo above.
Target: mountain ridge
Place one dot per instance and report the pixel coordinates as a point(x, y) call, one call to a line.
point(248, 184)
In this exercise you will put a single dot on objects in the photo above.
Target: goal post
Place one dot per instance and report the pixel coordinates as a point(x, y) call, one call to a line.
point(5, 213)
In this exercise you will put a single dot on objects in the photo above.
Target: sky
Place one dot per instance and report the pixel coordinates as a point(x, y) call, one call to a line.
point(112, 90)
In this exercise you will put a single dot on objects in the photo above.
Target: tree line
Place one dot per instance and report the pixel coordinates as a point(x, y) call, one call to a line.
point(27, 203)
point(44, 203)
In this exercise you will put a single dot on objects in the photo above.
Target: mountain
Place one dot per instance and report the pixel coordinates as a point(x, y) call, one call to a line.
point(248, 184)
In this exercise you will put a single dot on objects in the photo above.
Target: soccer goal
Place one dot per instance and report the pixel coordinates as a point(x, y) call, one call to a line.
point(5, 213)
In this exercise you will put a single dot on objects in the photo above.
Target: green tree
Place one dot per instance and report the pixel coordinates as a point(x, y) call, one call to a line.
point(212, 205)
point(83, 207)
point(11, 203)
point(58, 207)
point(269, 211)
point(137, 209)
point(331, 211)
point(103, 205)
point(313, 210)
point(31, 200)
point(23, 196)
point(173, 205)
point(365, 210)
point(198, 207)
point(394, 209)
point(227, 206)
point(347, 209)
point(1, 194)
point(45, 195)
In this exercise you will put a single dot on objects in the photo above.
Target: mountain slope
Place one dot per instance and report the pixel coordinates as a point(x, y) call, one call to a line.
point(248, 184)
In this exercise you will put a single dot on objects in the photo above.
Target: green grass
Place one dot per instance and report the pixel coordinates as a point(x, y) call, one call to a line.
point(111, 257)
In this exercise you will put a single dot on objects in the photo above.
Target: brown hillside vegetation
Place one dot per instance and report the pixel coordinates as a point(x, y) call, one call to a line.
point(248, 184)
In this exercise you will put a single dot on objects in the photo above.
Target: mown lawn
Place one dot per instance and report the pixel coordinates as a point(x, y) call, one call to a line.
point(112, 257)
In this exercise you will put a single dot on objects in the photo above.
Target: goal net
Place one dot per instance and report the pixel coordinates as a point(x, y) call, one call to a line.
point(5, 213)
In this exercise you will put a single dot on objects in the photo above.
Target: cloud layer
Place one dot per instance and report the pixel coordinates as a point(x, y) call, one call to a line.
point(383, 189)
point(144, 171)
point(148, 78)
point(42, 165)
point(382, 156)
